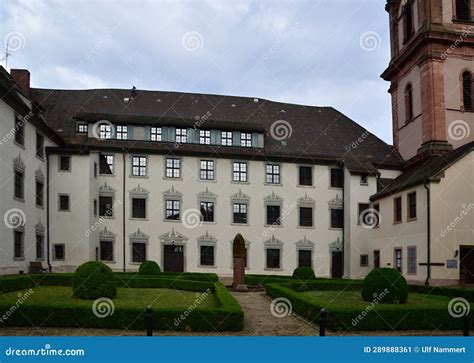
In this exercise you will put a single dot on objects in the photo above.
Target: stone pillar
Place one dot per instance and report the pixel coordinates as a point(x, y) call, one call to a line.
point(238, 252)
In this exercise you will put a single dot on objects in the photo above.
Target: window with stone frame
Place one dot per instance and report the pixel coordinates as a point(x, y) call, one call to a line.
point(39, 193)
point(173, 210)
point(64, 203)
point(467, 94)
point(106, 206)
point(19, 185)
point(305, 177)
point(397, 210)
point(206, 255)
point(273, 258)
point(408, 103)
point(463, 10)
point(39, 247)
point(59, 252)
point(337, 218)
point(18, 244)
point(64, 163)
point(106, 164)
point(39, 145)
point(239, 213)
point(139, 208)
point(106, 250)
point(20, 131)
point(411, 204)
point(138, 252)
point(207, 211)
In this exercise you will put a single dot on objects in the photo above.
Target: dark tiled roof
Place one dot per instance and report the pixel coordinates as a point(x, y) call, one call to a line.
point(317, 132)
point(428, 170)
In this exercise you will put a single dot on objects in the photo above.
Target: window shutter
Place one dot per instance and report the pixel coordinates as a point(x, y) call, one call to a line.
point(216, 137)
point(236, 138)
point(192, 135)
point(254, 139)
point(130, 132)
point(147, 135)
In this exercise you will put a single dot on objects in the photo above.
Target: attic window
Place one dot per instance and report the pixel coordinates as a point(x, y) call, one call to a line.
point(82, 128)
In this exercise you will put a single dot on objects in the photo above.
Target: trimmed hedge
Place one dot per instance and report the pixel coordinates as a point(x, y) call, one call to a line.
point(149, 268)
point(386, 285)
point(304, 274)
point(403, 317)
point(467, 294)
point(94, 280)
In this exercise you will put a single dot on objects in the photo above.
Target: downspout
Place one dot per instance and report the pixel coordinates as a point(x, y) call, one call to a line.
point(123, 210)
point(343, 222)
point(47, 213)
point(428, 232)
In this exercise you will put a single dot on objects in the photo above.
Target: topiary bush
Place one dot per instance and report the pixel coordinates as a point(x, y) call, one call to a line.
point(386, 286)
point(93, 280)
point(304, 274)
point(149, 268)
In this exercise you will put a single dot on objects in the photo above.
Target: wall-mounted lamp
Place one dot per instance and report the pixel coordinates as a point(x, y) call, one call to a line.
point(456, 253)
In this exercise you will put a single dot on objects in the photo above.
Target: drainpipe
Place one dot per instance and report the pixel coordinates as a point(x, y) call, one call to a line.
point(47, 214)
point(343, 222)
point(123, 210)
point(428, 234)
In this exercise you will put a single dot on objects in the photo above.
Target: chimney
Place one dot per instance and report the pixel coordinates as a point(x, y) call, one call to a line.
point(21, 77)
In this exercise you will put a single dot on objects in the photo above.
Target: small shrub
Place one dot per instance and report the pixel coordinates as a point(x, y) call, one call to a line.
point(304, 274)
point(385, 285)
point(149, 268)
point(93, 280)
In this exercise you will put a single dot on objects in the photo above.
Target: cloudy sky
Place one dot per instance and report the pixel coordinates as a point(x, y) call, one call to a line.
point(318, 52)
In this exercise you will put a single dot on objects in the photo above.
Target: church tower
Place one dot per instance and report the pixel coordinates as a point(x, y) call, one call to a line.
point(431, 72)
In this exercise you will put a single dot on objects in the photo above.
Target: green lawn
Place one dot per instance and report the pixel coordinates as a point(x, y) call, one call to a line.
point(59, 296)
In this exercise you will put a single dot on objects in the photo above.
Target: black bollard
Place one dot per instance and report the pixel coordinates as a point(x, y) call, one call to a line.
point(465, 331)
point(322, 323)
point(149, 321)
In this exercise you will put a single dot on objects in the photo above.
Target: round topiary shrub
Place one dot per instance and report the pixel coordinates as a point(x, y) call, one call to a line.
point(149, 268)
point(304, 274)
point(386, 286)
point(93, 280)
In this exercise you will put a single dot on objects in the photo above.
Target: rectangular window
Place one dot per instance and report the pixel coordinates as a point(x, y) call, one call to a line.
point(376, 259)
point(64, 203)
point(337, 218)
point(139, 166)
point(304, 258)
point(105, 206)
point(207, 170)
point(19, 183)
point(398, 259)
point(273, 215)
point(397, 210)
point(122, 132)
point(337, 178)
point(18, 240)
point(463, 10)
point(207, 211)
point(173, 168)
point(95, 207)
point(363, 218)
point(205, 137)
point(181, 136)
point(95, 170)
point(20, 131)
point(106, 251)
point(155, 134)
point(364, 179)
point(39, 247)
point(59, 252)
point(306, 217)
point(139, 208)
point(364, 260)
point(226, 138)
point(245, 139)
point(377, 215)
point(305, 175)
point(273, 174)
point(411, 255)
point(411, 201)
point(82, 128)
point(39, 194)
point(138, 252)
point(105, 131)
point(172, 210)
point(64, 163)
point(207, 255)
point(273, 258)
point(106, 164)
point(39, 145)
point(239, 171)
point(239, 213)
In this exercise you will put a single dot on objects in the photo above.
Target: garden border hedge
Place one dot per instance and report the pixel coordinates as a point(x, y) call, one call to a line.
point(404, 317)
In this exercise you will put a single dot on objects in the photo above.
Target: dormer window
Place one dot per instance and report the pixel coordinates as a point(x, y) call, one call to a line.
point(463, 10)
point(226, 138)
point(181, 136)
point(82, 128)
point(122, 132)
point(155, 134)
point(205, 137)
point(105, 131)
point(408, 20)
point(245, 139)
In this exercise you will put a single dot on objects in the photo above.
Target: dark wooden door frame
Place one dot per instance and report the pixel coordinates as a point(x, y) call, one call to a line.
point(466, 263)
point(337, 264)
point(177, 262)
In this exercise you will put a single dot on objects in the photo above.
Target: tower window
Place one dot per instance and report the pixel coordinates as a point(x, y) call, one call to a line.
point(408, 104)
point(408, 20)
point(467, 90)
point(463, 10)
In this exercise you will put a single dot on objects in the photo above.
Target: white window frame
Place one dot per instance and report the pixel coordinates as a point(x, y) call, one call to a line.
point(246, 139)
point(205, 137)
point(181, 135)
point(227, 140)
point(156, 133)
point(139, 163)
